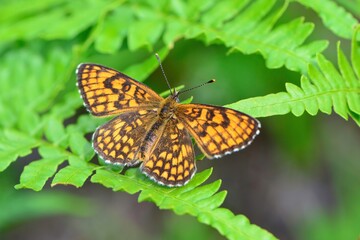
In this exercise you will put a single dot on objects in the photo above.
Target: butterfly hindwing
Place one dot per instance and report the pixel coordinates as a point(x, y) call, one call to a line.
point(172, 161)
point(119, 140)
point(106, 91)
point(218, 130)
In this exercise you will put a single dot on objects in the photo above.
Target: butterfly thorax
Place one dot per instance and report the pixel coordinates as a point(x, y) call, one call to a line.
point(167, 107)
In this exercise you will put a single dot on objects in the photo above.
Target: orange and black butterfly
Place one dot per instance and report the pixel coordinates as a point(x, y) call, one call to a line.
point(156, 132)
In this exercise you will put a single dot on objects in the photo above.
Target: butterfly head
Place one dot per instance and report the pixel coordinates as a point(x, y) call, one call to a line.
point(175, 96)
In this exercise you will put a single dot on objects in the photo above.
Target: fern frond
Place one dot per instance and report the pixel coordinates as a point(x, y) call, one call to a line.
point(25, 87)
point(324, 89)
point(245, 26)
point(239, 25)
point(31, 84)
point(336, 18)
point(352, 6)
point(201, 201)
point(67, 21)
point(38, 172)
point(14, 145)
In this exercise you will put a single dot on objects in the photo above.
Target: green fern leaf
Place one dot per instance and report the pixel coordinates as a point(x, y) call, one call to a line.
point(248, 28)
point(14, 145)
point(141, 71)
point(200, 201)
point(22, 127)
point(67, 21)
point(66, 107)
point(38, 172)
point(327, 89)
point(38, 91)
point(334, 17)
point(245, 26)
point(114, 31)
point(55, 132)
point(80, 146)
point(144, 33)
point(74, 175)
point(355, 53)
point(352, 6)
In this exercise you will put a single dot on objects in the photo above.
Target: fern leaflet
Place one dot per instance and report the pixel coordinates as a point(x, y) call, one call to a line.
point(324, 89)
point(200, 201)
point(246, 26)
point(334, 17)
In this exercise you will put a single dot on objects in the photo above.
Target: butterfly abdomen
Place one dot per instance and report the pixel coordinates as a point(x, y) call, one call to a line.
point(152, 137)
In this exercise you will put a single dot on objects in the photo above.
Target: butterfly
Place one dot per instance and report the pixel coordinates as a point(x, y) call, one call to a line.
point(156, 132)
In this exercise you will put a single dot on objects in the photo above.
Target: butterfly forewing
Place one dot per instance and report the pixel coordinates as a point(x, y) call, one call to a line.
point(172, 161)
point(106, 91)
point(218, 130)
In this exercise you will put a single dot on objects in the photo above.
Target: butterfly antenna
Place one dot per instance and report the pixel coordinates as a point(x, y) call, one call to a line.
point(158, 58)
point(210, 81)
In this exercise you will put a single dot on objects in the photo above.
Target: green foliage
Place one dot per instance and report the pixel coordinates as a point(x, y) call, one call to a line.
point(339, 21)
point(352, 6)
point(324, 89)
point(240, 25)
point(200, 201)
point(37, 205)
point(14, 145)
point(39, 93)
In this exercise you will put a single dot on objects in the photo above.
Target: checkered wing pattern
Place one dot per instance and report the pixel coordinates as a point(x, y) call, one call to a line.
point(172, 161)
point(106, 91)
point(218, 130)
point(119, 140)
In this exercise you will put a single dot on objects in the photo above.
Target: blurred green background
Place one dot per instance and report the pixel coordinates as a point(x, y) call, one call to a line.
point(299, 179)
